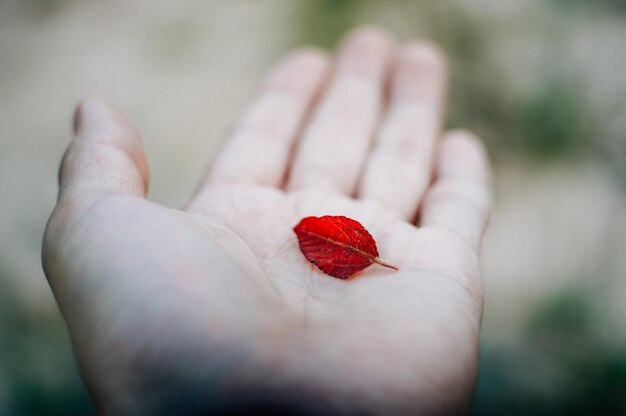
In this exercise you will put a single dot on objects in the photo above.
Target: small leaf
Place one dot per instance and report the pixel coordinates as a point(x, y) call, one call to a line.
point(339, 246)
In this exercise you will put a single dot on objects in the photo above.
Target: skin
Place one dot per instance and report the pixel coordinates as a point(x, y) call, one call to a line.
point(213, 308)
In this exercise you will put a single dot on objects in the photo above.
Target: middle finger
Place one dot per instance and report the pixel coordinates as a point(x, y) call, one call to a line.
point(335, 144)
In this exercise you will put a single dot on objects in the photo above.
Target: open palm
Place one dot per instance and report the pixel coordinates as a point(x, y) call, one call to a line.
point(214, 308)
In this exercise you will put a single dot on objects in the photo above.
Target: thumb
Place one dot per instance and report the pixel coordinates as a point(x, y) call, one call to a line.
point(106, 155)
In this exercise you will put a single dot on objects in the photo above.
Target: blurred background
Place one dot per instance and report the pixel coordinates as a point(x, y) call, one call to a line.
point(543, 82)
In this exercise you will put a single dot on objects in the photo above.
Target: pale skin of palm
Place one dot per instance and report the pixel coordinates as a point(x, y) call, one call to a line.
point(214, 308)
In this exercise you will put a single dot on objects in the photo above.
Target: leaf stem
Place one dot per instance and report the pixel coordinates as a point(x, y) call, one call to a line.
point(382, 263)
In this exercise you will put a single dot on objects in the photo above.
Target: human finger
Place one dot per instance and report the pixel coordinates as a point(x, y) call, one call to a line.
point(334, 145)
point(459, 200)
point(400, 166)
point(105, 156)
point(260, 146)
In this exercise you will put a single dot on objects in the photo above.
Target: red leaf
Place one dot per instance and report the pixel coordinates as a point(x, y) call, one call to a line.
point(337, 245)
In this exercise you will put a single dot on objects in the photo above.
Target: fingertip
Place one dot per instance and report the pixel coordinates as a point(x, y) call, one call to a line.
point(364, 46)
point(97, 121)
point(369, 31)
point(298, 69)
point(366, 40)
point(94, 112)
point(463, 144)
point(310, 56)
point(106, 150)
point(462, 135)
point(423, 56)
point(307, 59)
point(84, 110)
point(420, 75)
point(462, 153)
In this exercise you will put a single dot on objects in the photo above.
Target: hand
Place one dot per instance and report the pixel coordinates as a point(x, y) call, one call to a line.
point(214, 308)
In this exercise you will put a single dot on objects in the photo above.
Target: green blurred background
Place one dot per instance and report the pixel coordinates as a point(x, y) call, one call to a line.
point(542, 82)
